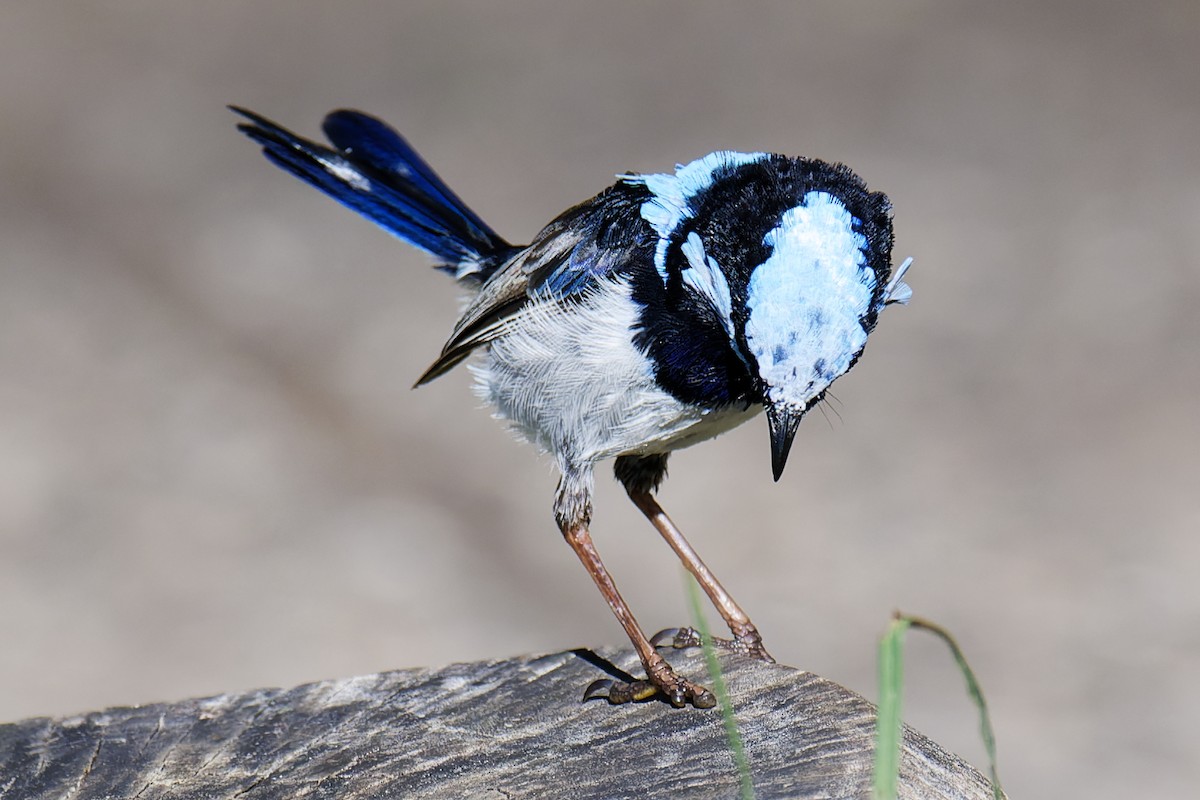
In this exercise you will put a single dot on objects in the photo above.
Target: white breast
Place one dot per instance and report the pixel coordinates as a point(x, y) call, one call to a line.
point(573, 383)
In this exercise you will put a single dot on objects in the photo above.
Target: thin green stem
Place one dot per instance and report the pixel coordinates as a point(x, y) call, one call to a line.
point(732, 734)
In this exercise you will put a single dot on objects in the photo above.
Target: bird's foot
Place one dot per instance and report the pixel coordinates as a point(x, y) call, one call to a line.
point(662, 683)
point(748, 643)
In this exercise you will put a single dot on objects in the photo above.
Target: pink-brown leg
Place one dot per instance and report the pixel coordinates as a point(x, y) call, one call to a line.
point(641, 475)
point(746, 638)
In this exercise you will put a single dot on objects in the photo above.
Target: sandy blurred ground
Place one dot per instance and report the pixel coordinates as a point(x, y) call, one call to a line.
point(214, 476)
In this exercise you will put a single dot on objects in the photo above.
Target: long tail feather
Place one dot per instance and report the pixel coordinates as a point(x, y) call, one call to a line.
point(371, 169)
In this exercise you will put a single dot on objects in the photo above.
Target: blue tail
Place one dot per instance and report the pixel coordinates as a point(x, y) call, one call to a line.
point(372, 170)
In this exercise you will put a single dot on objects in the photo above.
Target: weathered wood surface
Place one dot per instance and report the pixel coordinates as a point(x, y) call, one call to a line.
point(502, 729)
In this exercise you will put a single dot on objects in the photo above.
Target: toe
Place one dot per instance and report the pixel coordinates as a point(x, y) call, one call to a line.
point(703, 698)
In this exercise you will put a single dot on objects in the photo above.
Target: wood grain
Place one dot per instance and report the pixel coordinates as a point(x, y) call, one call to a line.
point(499, 729)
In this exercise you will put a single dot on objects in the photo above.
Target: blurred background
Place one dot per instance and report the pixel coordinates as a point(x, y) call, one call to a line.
point(214, 475)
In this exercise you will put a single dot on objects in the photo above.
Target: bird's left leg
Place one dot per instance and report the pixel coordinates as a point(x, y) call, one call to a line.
point(641, 475)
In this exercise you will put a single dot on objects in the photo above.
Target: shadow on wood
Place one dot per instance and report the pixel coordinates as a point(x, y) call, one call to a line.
point(501, 729)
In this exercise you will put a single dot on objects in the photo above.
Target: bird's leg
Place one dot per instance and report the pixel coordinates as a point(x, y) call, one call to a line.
point(573, 513)
point(641, 475)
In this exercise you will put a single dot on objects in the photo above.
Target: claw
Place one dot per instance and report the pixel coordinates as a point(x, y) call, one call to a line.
point(600, 688)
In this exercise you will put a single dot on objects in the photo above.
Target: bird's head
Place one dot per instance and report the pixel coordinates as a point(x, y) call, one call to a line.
point(792, 257)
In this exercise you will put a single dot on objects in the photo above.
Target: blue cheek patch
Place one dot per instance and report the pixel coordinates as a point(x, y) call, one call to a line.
point(806, 302)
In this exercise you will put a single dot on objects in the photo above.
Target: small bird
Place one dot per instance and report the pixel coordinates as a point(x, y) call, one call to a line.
point(660, 313)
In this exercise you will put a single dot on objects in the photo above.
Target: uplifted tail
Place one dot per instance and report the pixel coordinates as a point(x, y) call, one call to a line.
point(372, 170)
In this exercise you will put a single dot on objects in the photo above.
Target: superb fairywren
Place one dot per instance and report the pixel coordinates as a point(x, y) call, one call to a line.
point(665, 310)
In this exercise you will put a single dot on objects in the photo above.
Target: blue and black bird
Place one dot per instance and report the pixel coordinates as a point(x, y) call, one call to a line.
point(664, 311)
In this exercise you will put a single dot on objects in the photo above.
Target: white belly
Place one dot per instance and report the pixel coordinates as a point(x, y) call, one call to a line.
point(576, 386)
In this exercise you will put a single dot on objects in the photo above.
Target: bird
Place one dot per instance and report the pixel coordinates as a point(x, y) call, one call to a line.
point(667, 309)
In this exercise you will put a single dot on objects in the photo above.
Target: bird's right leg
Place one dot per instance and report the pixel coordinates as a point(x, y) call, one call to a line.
point(573, 511)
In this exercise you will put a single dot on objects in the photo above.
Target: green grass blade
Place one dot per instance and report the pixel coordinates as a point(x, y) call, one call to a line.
point(732, 734)
point(888, 732)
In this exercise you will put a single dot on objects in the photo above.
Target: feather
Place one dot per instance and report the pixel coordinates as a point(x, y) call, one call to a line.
point(375, 172)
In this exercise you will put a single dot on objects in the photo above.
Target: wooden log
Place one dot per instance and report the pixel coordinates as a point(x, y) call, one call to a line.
point(499, 729)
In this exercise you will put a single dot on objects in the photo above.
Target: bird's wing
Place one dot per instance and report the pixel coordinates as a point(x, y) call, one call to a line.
point(588, 243)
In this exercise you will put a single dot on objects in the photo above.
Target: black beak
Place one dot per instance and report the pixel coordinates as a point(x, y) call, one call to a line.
point(783, 421)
